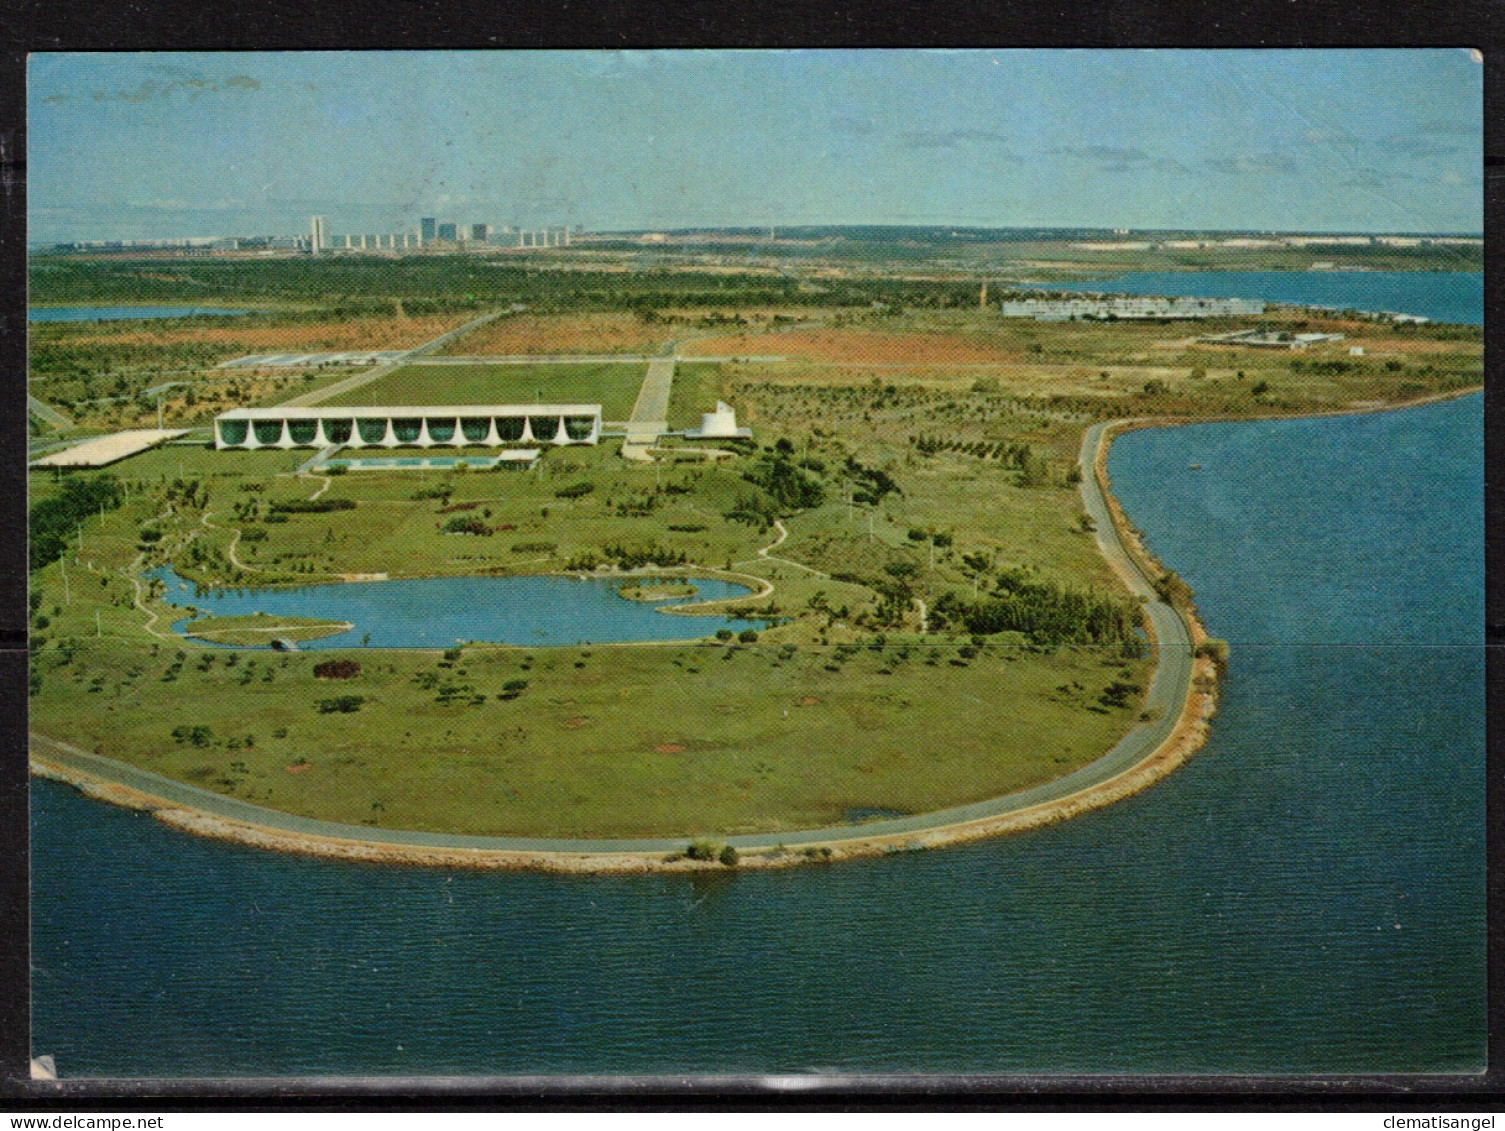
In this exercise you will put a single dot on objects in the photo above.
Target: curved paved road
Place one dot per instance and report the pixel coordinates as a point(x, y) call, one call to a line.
point(1168, 690)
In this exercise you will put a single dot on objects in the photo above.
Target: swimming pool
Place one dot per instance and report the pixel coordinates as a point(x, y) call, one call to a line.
point(429, 463)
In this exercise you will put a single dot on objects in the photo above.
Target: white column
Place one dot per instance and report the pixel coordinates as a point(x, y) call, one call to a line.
point(561, 436)
point(390, 439)
point(424, 439)
point(527, 436)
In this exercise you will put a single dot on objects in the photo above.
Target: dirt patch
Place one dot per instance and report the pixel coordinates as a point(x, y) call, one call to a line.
point(565, 333)
point(669, 748)
point(357, 334)
point(574, 724)
point(809, 701)
point(855, 345)
point(296, 767)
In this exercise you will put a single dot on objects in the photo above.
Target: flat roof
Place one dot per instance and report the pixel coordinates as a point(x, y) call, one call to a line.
point(102, 450)
point(343, 412)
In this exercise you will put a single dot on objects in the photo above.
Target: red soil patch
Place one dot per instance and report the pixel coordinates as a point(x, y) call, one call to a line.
point(565, 333)
point(669, 748)
point(856, 345)
point(809, 701)
point(360, 334)
point(574, 724)
point(297, 768)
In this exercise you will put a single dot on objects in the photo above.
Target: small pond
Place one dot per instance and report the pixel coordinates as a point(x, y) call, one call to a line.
point(121, 313)
point(438, 612)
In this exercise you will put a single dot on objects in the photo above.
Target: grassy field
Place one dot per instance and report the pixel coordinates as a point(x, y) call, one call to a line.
point(112, 375)
point(606, 332)
point(613, 386)
point(697, 388)
point(603, 741)
point(932, 452)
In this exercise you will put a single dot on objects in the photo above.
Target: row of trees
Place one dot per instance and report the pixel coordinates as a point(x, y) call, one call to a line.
point(1044, 612)
point(431, 284)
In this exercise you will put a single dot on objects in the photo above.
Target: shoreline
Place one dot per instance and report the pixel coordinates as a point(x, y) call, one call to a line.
point(1135, 567)
point(1195, 701)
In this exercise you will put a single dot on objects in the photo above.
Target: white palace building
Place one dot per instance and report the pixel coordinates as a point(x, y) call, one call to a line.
point(427, 426)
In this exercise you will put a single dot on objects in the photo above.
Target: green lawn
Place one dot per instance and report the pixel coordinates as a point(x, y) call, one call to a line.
point(613, 386)
point(665, 740)
point(697, 387)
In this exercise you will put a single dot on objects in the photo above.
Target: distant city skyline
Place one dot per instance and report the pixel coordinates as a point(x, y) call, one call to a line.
point(167, 146)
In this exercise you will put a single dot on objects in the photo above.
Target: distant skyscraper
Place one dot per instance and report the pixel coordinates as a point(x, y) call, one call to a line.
point(480, 232)
point(449, 232)
point(428, 229)
point(316, 238)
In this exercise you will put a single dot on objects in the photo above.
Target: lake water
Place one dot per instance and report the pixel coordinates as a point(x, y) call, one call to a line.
point(1306, 895)
point(115, 313)
point(438, 612)
point(1443, 296)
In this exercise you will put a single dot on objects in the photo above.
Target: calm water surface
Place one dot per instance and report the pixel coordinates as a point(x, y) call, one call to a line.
point(1443, 296)
point(1306, 895)
point(437, 612)
point(120, 313)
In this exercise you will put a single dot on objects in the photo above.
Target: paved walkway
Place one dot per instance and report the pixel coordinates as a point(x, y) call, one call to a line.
point(650, 414)
point(46, 413)
point(1169, 688)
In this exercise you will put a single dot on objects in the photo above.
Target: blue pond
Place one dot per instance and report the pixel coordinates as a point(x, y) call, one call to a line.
point(437, 612)
point(120, 313)
point(1443, 296)
point(411, 463)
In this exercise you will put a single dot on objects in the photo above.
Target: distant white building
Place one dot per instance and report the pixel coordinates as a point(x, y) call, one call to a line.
point(1129, 306)
point(1270, 339)
point(318, 239)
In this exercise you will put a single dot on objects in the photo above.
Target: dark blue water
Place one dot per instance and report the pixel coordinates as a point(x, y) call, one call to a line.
point(114, 313)
point(1306, 895)
point(437, 612)
point(1442, 296)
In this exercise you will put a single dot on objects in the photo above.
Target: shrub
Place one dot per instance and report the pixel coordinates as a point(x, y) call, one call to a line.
point(198, 735)
point(337, 669)
point(343, 704)
point(575, 490)
point(748, 636)
point(462, 525)
point(724, 634)
point(702, 850)
point(728, 856)
point(1217, 651)
point(312, 506)
point(1117, 693)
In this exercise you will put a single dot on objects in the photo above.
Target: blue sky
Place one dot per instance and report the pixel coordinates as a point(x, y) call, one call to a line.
point(164, 145)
